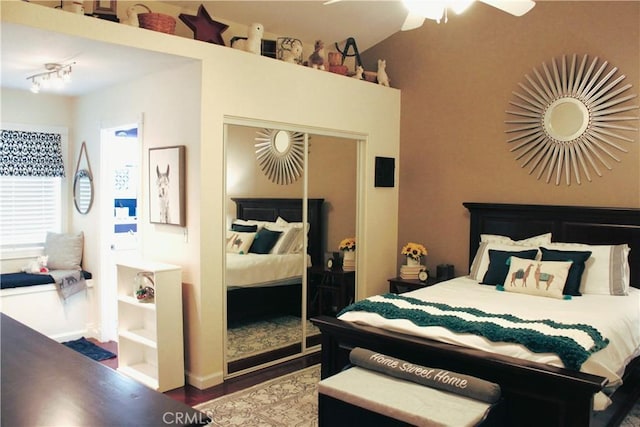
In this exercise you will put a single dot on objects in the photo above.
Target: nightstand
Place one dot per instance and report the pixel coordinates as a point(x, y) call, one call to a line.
point(332, 289)
point(398, 285)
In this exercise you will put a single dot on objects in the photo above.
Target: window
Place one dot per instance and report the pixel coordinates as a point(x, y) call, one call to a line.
point(31, 171)
point(31, 206)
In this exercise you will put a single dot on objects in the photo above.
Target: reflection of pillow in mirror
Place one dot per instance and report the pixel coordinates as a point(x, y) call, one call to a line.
point(260, 224)
point(64, 250)
point(239, 242)
point(286, 234)
point(244, 228)
point(265, 240)
point(541, 278)
point(540, 240)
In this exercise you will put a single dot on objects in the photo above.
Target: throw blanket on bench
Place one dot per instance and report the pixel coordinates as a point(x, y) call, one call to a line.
point(69, 283)
point(573, 343)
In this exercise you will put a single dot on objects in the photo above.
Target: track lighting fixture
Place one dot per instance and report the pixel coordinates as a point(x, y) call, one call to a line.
point(56, 76)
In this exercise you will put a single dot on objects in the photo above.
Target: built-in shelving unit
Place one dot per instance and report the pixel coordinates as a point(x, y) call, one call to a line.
point(150, 334)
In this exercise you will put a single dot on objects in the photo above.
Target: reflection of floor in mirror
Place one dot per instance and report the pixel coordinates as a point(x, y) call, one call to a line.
point(256, 337)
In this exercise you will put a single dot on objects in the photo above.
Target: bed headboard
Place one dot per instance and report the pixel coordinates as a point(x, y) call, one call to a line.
point(575, 224)
point(267, 209)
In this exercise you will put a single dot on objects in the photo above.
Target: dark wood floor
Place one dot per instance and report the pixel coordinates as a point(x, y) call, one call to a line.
point(193, 396)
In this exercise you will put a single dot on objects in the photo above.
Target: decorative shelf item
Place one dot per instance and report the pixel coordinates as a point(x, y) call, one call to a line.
point(570, 119)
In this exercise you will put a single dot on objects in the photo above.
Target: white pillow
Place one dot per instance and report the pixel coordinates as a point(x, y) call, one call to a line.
point(480, 263)
point(64, 250)
point(541, 240)
point(239, 242)
point(297, 241)
point(541, 278)
point(606, 272)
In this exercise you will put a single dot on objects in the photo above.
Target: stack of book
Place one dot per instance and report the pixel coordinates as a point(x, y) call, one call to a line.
point(348, 264)
point(410, 271)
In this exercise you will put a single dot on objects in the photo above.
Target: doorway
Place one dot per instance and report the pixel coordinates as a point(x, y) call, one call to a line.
point(120, 212)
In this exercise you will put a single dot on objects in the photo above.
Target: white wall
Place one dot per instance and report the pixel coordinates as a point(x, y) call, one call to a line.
point(238, 84)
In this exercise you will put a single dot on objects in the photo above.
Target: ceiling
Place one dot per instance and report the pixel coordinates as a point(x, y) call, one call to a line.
point(24, 51)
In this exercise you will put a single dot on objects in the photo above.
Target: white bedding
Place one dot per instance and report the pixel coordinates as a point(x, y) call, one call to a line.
point(616, 317)
point(253, 270)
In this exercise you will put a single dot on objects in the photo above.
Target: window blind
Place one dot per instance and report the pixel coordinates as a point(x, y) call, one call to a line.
point(30, 206)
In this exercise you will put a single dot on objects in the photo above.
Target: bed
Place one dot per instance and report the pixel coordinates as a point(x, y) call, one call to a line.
point(536, 392)
point(266, 284)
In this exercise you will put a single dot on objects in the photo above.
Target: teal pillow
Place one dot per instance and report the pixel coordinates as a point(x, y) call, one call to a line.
point(572, 285)
point(264, 241)
point(244, 228)
point(499, 264)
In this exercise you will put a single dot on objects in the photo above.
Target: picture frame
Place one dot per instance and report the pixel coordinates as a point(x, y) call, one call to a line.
point(167, 185)
point(109, 7)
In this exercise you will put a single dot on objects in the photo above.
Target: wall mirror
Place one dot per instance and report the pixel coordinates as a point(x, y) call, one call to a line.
point(83, 191)
point(570, 118)
point(83, 183)
point(312, 207)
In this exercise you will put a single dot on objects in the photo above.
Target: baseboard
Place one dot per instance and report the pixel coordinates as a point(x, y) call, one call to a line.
point(204, 382)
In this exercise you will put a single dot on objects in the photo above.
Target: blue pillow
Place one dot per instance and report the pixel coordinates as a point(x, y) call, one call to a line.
point(244, 228)
point(499, 265)
point(572, 285)
point(264, 241)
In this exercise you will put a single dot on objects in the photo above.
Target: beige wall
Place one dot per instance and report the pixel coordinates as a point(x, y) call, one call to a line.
point(332, 177)
point(456, 81)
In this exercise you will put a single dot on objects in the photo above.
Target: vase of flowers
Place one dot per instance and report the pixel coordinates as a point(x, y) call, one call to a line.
point(414, 252)
point(348, 248)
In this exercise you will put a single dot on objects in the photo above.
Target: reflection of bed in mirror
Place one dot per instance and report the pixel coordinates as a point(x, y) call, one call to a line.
point(266, 286)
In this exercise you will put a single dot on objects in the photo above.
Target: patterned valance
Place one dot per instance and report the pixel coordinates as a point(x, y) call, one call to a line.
point(31, 154)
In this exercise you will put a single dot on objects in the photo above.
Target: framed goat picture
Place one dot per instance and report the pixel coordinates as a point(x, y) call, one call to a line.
point(167, 185)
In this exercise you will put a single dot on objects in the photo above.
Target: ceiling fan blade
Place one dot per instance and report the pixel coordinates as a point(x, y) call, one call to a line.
point(412, 21)
point(514, 7)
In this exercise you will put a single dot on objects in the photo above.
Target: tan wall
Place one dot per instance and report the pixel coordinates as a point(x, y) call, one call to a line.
point(456, 81)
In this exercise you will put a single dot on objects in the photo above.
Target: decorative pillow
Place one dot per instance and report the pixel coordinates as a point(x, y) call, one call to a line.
point(540, 240)
point(541, 278)
point(64, 250)
point(499, 264)
point(572, 286)
point(264, 241)
point(607, 269)
point(244, 228)
point(297, 241)
point(480, 263)
point(286, 241)
point(239, 242)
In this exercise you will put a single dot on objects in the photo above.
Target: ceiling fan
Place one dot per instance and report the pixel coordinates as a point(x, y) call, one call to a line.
point(419, 10)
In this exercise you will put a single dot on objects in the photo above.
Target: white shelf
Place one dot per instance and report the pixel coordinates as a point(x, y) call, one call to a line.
point(150, 335)
point(142, 372)
point(140, 336)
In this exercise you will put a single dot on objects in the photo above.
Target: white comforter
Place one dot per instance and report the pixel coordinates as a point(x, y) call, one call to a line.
point(251, 270)
point(616, 317)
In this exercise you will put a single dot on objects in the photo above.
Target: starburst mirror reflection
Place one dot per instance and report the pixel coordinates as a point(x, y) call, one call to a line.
point(280, 154)
point(571, 118)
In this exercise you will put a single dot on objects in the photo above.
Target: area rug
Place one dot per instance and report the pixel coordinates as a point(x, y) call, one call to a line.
point(89, 349)
point(291, 401)
point(287, 401)
point(244, 340)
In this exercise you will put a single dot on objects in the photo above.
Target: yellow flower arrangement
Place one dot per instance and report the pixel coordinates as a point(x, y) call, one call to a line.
point(414, 250)
point(348, 244)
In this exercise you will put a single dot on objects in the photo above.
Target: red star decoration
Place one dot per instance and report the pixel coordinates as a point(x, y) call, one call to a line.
point(204, 28)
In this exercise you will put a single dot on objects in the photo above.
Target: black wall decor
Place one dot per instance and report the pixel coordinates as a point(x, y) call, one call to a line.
point(385, 171)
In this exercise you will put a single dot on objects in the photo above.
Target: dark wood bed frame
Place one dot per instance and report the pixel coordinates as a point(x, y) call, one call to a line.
point(535, 394)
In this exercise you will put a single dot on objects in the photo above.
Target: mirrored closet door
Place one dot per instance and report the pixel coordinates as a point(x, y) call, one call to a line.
point(290, 199)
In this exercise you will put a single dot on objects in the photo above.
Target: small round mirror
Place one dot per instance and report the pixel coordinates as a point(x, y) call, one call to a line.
point(281, 142)
point(566, 119)
point(83, 191)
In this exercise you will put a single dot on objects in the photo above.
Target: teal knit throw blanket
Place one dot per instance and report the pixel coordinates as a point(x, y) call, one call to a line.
point(572, 354)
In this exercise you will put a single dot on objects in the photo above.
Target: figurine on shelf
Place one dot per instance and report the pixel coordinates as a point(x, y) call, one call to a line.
point(290, 50)
point(132, 16)
point(316, 59)
point(253, 42)
point(383, 78)
point(359, 73)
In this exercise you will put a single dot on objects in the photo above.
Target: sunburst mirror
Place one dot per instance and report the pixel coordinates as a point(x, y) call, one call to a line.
point(573, 117)
point(280, 155)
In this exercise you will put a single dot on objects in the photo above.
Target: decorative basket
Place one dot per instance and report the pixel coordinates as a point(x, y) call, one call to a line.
point(156, 21)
